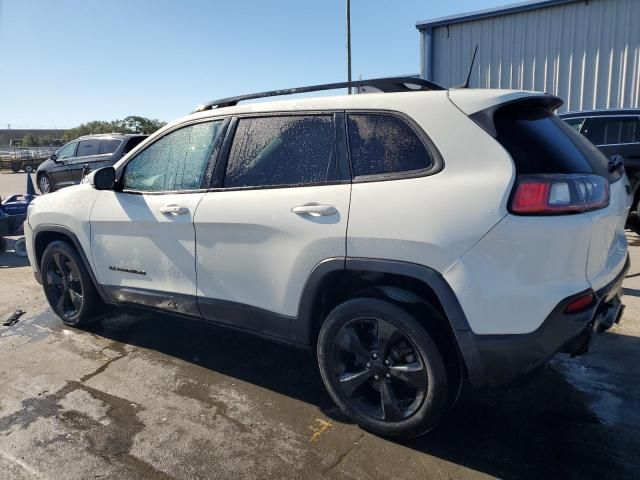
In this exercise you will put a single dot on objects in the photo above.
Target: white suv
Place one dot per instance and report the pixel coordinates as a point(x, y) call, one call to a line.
point(412, 238)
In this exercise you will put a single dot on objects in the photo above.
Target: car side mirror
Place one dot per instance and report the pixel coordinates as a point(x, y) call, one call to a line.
point(54, 158)
point(104, 179)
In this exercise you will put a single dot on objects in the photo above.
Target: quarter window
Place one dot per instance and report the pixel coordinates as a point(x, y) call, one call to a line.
point(108, 146)
point(384, 144)
point(282, 150)
point(88, 147)
point(176, 161)
point(611, 131)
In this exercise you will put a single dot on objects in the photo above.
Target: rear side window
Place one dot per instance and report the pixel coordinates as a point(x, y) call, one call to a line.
point(613, 130)
point(282, 151)
point(384, 144)
point(108, 146)
point(539, 142)
point(88, 147)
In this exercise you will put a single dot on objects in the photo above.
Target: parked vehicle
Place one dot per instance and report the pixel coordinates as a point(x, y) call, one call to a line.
point(614, 132)
point(412, 239)
point(64, 168)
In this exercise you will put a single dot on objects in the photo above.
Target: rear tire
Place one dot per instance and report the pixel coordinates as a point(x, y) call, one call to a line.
point(382, 368)
point(67, 285)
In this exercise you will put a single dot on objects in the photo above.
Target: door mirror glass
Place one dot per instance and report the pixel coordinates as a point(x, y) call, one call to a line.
point(104, 179)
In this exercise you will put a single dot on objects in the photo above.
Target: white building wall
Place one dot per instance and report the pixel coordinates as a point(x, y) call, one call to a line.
point(587, 53)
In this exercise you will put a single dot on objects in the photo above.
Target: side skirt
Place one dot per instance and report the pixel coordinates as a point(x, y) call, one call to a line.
point(221, 312)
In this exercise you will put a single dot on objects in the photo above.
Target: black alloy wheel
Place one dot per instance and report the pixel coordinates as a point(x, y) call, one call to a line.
point(379, 370)
point(382, 368)
point(67, 284)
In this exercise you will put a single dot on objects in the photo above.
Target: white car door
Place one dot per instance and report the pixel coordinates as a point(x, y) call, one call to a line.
point(142, 236)
point(281, 209)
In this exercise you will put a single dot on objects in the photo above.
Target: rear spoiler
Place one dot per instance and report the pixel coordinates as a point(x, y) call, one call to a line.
point(481, 107)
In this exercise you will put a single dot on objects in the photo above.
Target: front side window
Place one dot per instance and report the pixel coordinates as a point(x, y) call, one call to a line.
point(384, 144)
point(281, 151)
point(176, 161)
point(108, 146)
point(613, 130)
point(87, 148)
point(68, 151)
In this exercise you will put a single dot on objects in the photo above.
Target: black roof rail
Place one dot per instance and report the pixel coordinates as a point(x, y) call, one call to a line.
point(387, 84)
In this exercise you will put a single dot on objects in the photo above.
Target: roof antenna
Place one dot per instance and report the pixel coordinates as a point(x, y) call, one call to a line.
point(473, 60)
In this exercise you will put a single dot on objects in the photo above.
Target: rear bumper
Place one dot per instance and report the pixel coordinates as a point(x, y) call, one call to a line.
point(499, 360)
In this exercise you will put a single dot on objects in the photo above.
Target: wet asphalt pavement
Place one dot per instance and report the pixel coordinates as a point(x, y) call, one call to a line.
point(152, 396)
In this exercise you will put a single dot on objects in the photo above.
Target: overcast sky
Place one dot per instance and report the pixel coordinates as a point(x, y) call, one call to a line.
point(63, 62)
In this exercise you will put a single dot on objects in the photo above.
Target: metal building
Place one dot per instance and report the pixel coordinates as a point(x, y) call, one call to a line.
point(587, 52)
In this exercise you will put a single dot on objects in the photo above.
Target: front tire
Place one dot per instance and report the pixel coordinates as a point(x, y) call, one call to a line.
point(67, 285)
point(382, 368)
point(44, 184)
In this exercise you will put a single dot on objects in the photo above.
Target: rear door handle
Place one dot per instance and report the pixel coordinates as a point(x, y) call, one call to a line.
point(174, 210)
point(315, 210)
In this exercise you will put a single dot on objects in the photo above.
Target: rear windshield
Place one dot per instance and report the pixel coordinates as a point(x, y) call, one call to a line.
point(540, 142)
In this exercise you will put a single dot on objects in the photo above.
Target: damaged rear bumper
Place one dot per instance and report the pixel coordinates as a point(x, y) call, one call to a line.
point(500, 360)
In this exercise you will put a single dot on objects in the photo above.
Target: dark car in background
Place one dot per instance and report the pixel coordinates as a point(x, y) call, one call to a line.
point(65, 167)
point(614, 132)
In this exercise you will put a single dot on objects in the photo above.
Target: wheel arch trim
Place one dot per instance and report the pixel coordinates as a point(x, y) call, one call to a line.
point(66, 231)
point(302, 326)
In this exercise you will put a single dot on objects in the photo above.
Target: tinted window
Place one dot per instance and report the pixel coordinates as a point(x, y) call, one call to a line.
point(283, 150)
point(539, 142)
point(132, 143)
point(575, 123)
point(381, 144)
point(177, 161)
point(610, 130)
point(108, 146)
point(67, 151)
point(88, 147)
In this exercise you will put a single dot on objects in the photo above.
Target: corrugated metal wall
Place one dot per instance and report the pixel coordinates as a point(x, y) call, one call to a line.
point(587, 53)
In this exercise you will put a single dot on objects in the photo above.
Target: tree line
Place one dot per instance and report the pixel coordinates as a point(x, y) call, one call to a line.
point(130, 124)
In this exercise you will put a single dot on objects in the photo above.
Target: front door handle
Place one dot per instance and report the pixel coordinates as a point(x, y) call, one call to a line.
point(315, 210)
point(174, 210)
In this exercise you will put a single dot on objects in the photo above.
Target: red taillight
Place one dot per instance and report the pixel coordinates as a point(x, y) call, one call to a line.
point(580, 303)
point(559, 193)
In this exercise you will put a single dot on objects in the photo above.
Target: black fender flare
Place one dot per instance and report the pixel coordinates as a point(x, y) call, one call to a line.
point(301, 327)
point(61, 229)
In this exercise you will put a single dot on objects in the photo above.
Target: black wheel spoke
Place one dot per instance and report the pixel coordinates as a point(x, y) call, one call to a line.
point(58, 261)
point(54, 278)
point(76, 299)
point(413, 374)
point(351, 381)
point(387, 335)
point(60, 302)
point(350, 341)
point(391, 409)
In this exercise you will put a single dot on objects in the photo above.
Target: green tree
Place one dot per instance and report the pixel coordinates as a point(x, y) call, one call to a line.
point(45, 140)
point(131, 124)
point(29, 140)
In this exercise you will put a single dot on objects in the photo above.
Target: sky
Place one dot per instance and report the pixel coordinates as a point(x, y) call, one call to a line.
point(64, 62)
